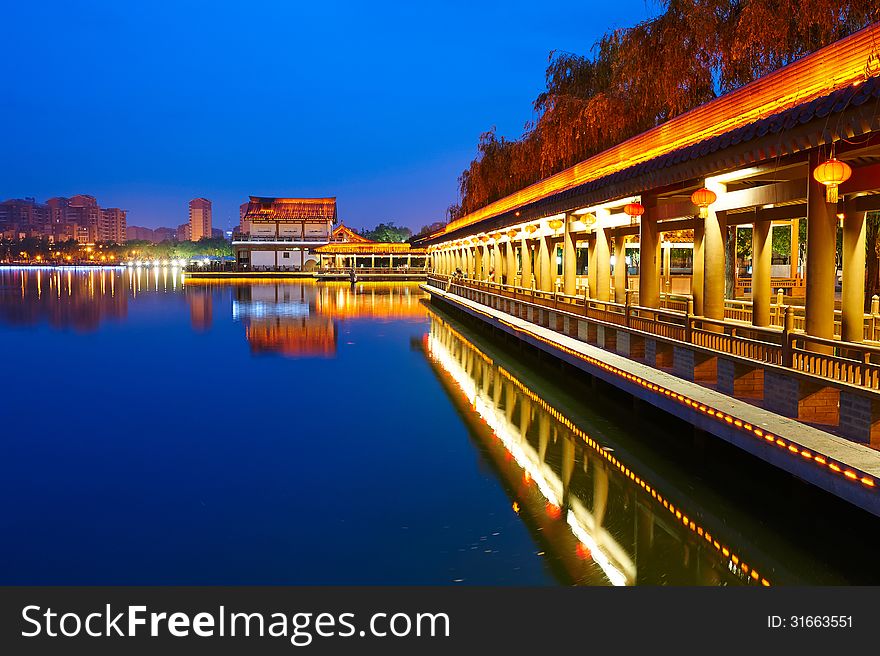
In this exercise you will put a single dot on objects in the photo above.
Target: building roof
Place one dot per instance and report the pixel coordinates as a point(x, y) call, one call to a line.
point(777, 108)
point(345, 234)
point(261, 208)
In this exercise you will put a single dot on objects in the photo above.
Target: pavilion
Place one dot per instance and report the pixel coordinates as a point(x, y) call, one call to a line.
point(347, 249)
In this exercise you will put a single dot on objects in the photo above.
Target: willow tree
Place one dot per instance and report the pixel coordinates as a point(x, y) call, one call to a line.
point(640, 77)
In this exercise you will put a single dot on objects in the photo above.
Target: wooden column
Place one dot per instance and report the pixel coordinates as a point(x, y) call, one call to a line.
point(761, 251)
point(511, 262)
point(795, 245)
point(545, 277)
point(603, 266)
point(649, 257)
point(821, 265)
point(619, 269)
point(478, 263)
point(592, 267)
point(697, 279)
point(486, 265)
point(852, 327)
point(526, 257)
point(715, 229)
point(569, 259)
point(500, 262)
point(667, 267)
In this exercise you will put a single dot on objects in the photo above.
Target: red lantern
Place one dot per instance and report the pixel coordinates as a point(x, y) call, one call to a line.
point(634, 210)
point(831, 173)
point(702, 198)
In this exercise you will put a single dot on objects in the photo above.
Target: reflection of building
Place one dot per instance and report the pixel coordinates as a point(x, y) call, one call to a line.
point(299, 318)
point(387, 301)
point(62, 298)
point(283, 319)
point(282, 233)
point(199, 219)
point(600, 520)
point(200, 307)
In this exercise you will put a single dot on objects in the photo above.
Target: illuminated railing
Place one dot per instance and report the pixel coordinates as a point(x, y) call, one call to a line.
point(832, 360)
point(401, 270)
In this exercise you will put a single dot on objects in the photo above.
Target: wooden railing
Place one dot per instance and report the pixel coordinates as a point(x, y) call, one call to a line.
point(785, 345)
point(359, 270)
point(794, 284)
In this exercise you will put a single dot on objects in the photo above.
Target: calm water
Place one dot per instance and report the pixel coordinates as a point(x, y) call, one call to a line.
point(157, 431)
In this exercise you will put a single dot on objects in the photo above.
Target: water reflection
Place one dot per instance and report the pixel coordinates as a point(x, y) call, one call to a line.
point(300, 319)
point(602, 521)
point(80, 299)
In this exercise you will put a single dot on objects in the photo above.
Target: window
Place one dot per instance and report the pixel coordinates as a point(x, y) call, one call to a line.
point(285, 255)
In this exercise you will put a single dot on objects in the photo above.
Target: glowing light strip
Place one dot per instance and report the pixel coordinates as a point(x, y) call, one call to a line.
point(789, 446)
point(833, 67)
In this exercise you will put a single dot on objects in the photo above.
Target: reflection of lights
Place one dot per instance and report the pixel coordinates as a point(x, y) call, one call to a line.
point(583, 551)
point(489, 414)
point(614, 575)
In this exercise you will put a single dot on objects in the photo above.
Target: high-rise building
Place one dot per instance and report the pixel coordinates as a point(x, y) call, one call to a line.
point(112, 226)
point(85, 215)
point(24, 216)
point(78, 217)
point(199, 218)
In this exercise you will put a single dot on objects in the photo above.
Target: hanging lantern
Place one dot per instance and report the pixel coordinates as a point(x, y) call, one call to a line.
point(512, 233)
point(588, 219)
point(702, 198)
point(555, 224)
point(832, 173)
point(634, 210)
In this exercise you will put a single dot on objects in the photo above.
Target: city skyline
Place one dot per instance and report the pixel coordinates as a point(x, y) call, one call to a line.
point(396, 121)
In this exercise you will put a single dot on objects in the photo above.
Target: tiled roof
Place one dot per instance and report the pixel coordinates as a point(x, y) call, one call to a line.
point(711, 155)
point(296, 209)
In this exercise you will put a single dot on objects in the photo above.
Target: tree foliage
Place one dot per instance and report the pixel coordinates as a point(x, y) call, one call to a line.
point(388, 232)
point(639, 77)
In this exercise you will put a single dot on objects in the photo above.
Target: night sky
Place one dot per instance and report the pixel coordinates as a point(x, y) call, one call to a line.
point(148, 104)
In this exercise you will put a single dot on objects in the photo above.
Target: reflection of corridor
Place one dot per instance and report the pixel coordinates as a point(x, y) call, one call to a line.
point(600, 522)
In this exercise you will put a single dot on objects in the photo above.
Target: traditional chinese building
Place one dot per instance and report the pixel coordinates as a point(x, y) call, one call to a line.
point(347, 249)
point(283, 233)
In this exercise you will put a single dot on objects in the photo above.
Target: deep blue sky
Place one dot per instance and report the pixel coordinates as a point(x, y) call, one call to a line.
point(148, 104)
